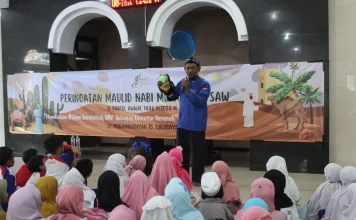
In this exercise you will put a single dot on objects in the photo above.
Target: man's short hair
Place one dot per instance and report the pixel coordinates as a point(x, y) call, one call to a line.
point(85, 167)
point(28, 154)
point(52, 144)
point(34, 164)
point(6, 154)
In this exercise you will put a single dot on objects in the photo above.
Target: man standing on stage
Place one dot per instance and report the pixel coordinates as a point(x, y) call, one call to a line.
point(193, 115)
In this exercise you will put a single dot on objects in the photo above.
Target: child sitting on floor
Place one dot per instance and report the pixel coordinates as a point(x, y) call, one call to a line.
point(59, 160)
point(212, 206)
point(6, 161)
point(37, 168)
point(23, 175)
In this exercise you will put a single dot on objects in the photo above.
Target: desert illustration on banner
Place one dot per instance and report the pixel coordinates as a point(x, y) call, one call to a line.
point(272, 102)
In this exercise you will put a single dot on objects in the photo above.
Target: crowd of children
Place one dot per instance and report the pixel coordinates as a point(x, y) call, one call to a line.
point(55, 187)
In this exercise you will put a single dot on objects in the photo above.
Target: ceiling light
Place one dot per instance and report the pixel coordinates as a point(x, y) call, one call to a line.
point(286, 37)
point(296, 49)
point(274, 16)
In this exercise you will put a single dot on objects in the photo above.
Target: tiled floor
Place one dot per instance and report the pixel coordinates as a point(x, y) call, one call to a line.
point(307, 183)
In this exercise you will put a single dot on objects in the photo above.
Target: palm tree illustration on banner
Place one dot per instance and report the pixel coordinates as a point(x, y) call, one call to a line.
point(289, 84)
point(309, 95)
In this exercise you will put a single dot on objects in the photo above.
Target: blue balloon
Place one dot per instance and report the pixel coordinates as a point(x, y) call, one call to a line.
point(255, 202)
point(183, 46)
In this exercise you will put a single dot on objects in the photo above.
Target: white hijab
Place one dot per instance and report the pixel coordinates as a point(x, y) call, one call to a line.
point(339, 201)
point(324, 192)
point(291, 189)
point(350, 212)
point(159, 207)
point(74, 177)
point(116, 163)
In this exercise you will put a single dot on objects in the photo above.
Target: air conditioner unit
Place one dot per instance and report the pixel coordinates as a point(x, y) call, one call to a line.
point(4, 3)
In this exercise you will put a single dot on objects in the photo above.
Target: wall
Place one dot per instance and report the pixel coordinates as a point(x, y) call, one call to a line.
point(342, 30)
point(209, 52)
point(111, 55)
point(2, 112)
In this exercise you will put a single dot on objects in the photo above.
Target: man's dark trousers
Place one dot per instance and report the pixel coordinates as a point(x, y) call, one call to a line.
point(192, 141)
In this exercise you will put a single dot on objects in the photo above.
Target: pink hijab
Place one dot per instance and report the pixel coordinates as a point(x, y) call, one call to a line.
point(177, 159)
point(70, 203)
point(137, 163)
point(122, 212)
point(163, 171)
point(138, 192)
point(264, 189)
point(231, 189)
point(256, 213)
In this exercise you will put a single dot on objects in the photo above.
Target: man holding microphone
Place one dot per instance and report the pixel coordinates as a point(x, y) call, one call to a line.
point(193, 92)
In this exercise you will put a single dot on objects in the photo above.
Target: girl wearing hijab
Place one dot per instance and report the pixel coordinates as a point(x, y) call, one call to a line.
point(177, 159)
point(3, 197)
point(48, 187)
point(159, 207)
point(122, 212)
point(109, 191)
point(163, 171)
point(24, 204)
point(281, 201)
point(177, 192)
point(212, 206)
point(78, 176)
point(339, 201)
point(264, 189)
point(138, 192)
point(324, 192)
point(255, 202)
point(350, 212)
point(256, 213)
point(137, 163)
point(291, 189)
point(70, 204)
point(116, 163)
point(231, 189)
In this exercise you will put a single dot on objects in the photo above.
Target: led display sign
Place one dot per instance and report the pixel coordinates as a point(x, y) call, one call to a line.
point(133, 3)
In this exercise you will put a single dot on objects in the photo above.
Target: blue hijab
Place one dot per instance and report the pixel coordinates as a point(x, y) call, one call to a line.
point(255, 202)
point(182, 207)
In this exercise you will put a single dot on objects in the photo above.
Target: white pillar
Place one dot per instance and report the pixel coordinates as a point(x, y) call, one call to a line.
point(2, 113)
point(342, 55)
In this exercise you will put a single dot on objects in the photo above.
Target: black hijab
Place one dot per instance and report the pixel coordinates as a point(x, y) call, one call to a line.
point(218, 195)
point(109, 191)
point(281, 200)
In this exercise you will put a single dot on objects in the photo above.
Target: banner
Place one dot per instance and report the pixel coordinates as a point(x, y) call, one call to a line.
point(272, 102)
